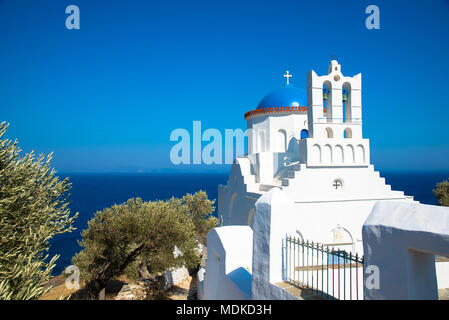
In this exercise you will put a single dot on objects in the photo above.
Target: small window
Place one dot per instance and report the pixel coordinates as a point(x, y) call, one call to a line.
point(347, 133)
point(304, 134)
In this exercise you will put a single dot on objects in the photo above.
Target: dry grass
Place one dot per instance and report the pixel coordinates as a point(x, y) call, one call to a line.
point(180, 291)
point(183, 291)
point(60, 292)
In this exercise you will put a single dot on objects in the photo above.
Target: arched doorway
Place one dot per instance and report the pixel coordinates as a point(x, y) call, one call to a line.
point(341, 244)
point(327, 99)
point(282, 140)
point(347, 105)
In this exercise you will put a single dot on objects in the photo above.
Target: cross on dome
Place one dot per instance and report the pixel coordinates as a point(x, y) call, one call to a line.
point(288, 76)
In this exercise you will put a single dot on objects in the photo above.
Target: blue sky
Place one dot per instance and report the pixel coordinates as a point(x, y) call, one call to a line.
point(106, 97)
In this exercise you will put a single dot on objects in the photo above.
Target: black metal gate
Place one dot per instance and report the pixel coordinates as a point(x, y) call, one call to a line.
point(325, 270)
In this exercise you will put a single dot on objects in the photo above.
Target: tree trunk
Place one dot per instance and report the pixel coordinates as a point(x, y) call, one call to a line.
point(109, 271)
point(143, 271)
point(94, 287)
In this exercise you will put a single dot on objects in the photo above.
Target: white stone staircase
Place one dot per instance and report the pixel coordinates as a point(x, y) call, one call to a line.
point(289, 173)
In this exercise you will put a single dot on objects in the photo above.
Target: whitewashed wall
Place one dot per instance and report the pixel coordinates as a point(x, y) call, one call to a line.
point(228, 264)
point(401, 239)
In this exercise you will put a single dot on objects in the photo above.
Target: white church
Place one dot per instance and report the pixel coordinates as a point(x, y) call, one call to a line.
point(306, 174)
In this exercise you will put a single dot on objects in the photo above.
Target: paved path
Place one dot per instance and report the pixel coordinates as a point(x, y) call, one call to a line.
point(308, 294)
point(443, 294)
point(300, 293)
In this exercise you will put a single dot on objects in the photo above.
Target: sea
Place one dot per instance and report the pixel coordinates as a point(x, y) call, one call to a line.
point(95, 191)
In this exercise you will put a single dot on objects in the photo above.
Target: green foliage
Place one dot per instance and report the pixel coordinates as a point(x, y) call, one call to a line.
point(200, 209)
point(126, 237)
point(33, 208)
point(442, 193)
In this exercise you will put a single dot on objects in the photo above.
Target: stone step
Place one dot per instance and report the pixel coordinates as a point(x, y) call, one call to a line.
point(301, 292)
point(285, 182)
point(291, 174)
point(267, 187)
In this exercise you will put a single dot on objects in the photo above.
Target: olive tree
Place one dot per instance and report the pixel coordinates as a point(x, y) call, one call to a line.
point(200, 210)
point(156, 234)
point(33, 208)
point(442, 193)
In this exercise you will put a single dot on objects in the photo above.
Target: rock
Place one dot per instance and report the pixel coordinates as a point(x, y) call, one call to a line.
point(127, 292)
point(175, 277)
point(102, 294)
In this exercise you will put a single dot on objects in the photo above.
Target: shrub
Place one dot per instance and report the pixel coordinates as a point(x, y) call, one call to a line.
point(442, 193)
point(33, 208)
point(142, 234)
point(200, 210)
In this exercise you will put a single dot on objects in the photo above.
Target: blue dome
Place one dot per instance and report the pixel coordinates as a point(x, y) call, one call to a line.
point(284, 97)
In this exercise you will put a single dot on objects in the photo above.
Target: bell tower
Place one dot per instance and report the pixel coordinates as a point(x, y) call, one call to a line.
point(334, 103)
point(334, 120)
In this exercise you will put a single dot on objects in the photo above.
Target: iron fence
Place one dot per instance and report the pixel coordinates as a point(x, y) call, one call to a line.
point(324, 269)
